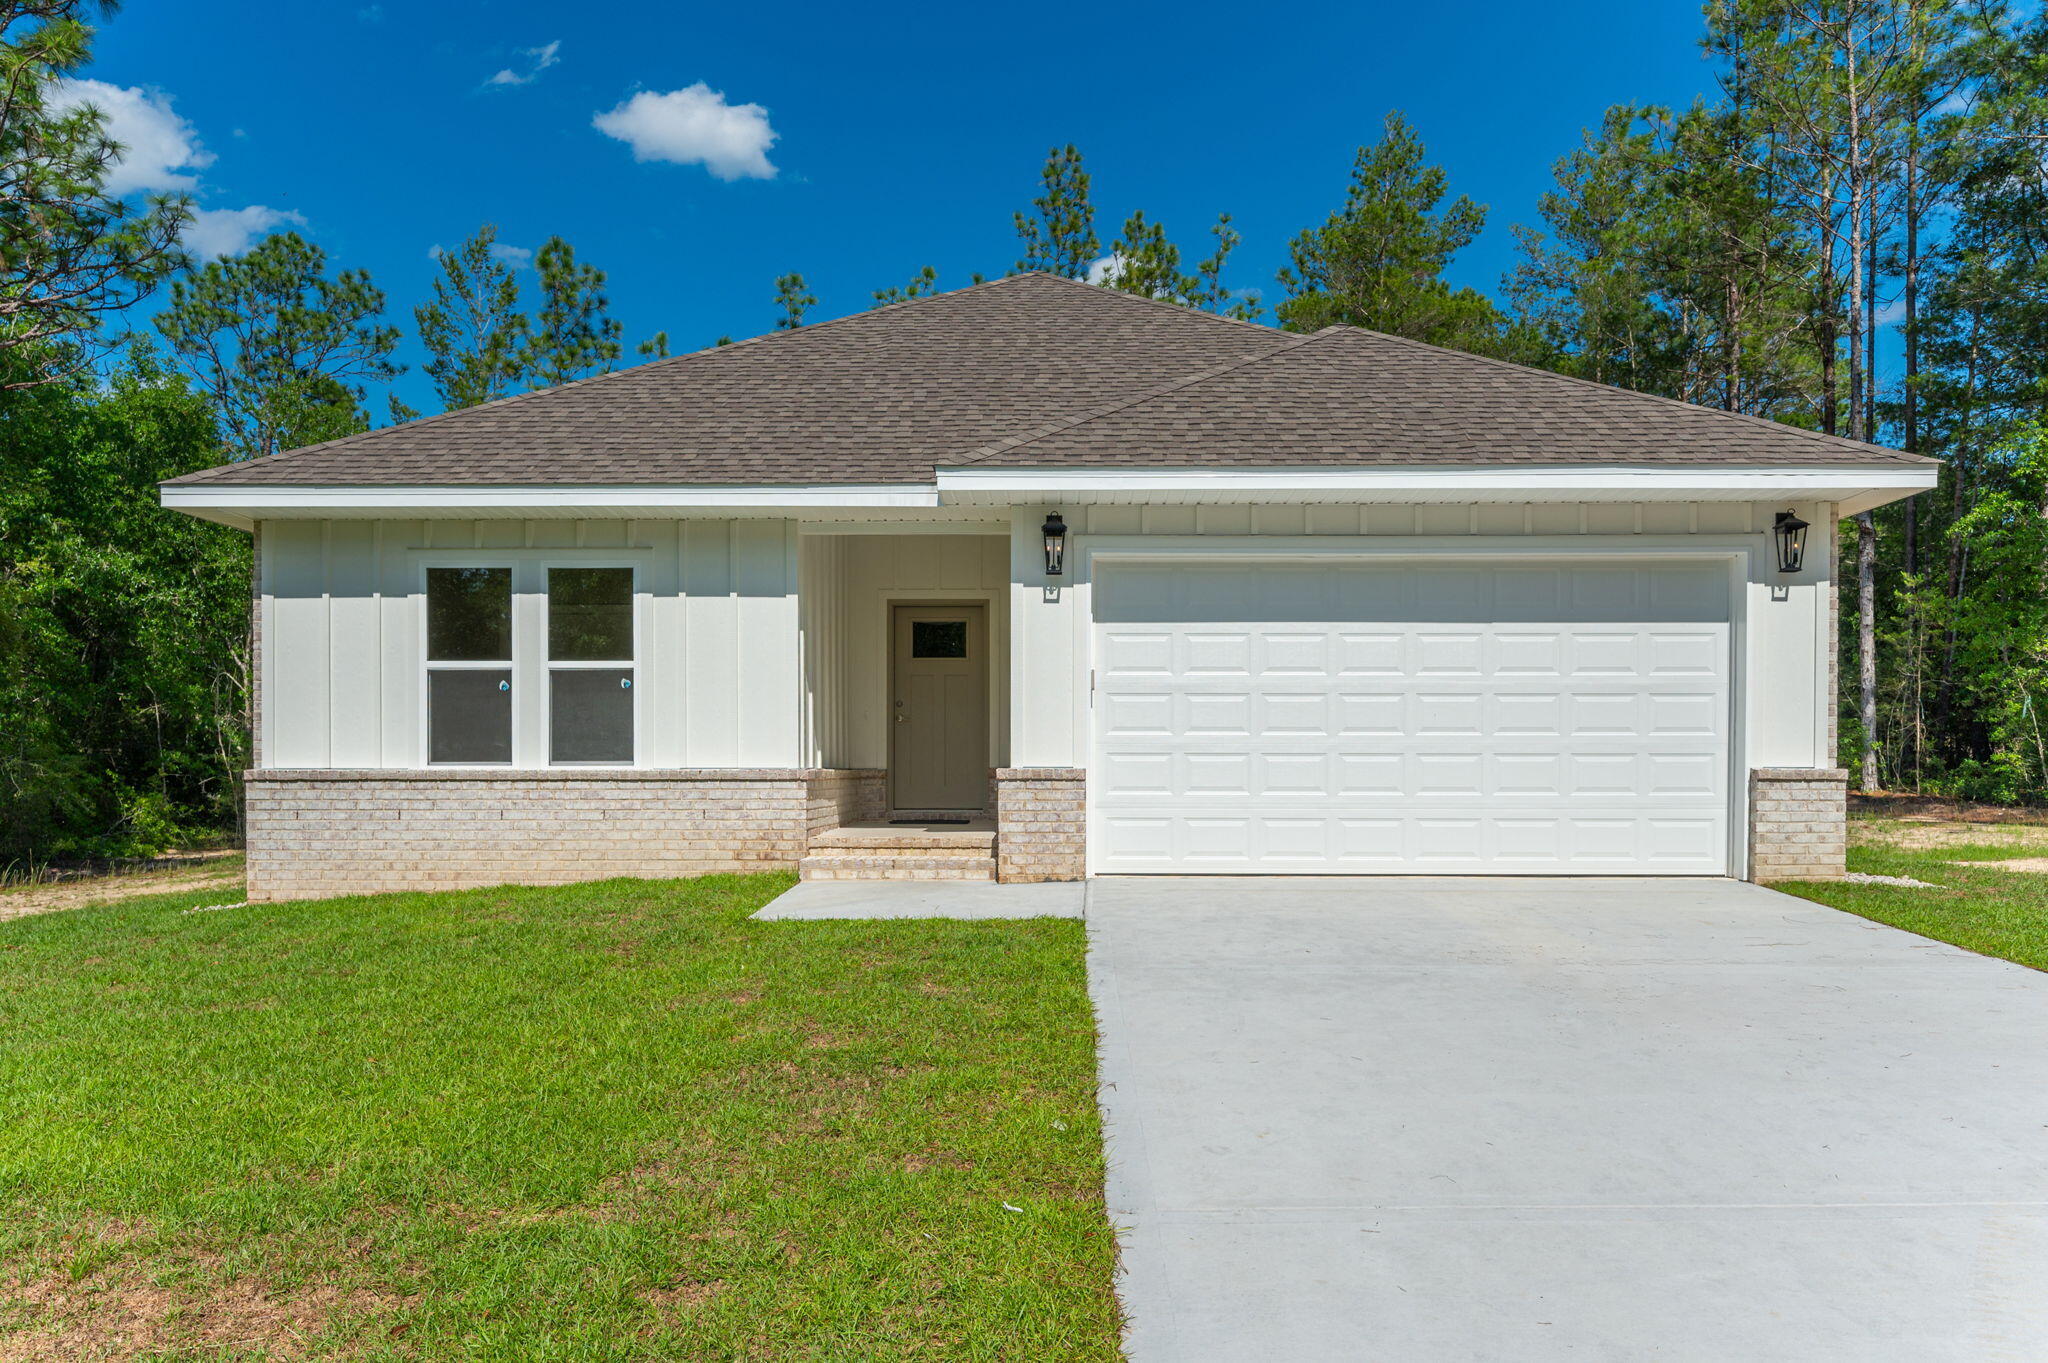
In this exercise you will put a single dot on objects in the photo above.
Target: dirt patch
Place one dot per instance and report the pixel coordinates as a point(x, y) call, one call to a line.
point(2031, 865)
point(127, 1315)
point(1909, 806)
point(680, 1296)
point(1924, 835)
point(207, 874)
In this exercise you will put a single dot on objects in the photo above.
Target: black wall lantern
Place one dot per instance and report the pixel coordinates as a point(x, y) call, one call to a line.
point(1055, 544)
point(1791, 535)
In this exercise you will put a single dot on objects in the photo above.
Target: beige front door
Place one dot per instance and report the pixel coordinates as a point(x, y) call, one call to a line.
point(938, 723)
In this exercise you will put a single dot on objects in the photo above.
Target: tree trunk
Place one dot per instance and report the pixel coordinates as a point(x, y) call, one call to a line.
point(1910, 548)
point(1858, 191)
point(1958, 475)
point(1866, 643)
point(1870, 329)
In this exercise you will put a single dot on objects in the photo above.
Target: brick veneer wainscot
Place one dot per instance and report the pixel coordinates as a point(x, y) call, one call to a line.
point(1041, 823)
point(1798, 823)
point(312, 834)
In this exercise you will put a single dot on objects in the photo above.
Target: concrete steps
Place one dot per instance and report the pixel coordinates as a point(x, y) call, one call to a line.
point(901, 852)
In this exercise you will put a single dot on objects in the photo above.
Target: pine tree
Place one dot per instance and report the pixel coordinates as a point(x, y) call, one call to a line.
point(281, 349)
point(1378, 261)
point(795, 299)
point(1665, 269)
point(923, 282)
point(473, 329)
point(1059, 234)
point(573, 332)
point(75, 256)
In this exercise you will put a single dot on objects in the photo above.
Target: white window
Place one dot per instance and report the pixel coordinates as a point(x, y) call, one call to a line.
point(590, 665)
point(530, 664)
point(469, 665)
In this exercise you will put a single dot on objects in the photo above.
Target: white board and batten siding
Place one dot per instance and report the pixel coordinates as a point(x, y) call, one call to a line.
point(715, 614)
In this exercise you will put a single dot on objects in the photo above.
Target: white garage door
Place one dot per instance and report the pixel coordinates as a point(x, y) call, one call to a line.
point(1509, 718)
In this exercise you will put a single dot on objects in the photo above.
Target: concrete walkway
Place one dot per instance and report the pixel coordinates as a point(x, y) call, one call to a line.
point(827, 899)
point(1421, 1120)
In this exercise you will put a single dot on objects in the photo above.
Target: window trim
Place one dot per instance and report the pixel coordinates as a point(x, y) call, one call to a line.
point(530, 665)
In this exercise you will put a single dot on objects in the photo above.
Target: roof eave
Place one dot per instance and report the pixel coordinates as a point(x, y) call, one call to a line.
point(243, 504)
point(1857, 487)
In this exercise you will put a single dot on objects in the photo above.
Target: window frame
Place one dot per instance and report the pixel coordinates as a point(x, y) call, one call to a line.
point(532, 719)
point(430, 665)
point(549, 665)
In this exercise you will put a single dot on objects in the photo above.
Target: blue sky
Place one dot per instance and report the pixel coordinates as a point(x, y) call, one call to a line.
point(882, 138)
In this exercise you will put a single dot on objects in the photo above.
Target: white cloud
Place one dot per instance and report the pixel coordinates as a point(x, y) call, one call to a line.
point(159, 149)
point(543, 58)
point(219, 232)
point(518, 257)
point(1106, 270)
point(694, 126)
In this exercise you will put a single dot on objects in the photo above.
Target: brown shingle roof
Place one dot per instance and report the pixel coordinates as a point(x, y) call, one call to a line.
point(1037, 370)
point(877, 397)
point(1348, 397)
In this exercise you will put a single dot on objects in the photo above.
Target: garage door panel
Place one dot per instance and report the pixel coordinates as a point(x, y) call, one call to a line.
point(1533, 742)
point(1541, 774)
point(1683, 714)
point(1357, 775)
point(1452, 842)
point(1293, 714)
point(1698, 653)
point(1371, 714)
point(1520, 654)
point(1292, 653)
point(1450, 654)
point(1369, 655)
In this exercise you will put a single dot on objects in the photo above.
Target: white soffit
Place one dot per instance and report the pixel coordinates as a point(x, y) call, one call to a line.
point(1858, 488)
point(243, 505)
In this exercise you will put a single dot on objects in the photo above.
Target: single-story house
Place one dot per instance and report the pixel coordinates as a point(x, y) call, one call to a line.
point(1127, 588)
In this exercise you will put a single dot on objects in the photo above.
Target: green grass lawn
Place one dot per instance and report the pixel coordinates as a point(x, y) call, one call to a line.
point(2000, 913)
point(612, 1121)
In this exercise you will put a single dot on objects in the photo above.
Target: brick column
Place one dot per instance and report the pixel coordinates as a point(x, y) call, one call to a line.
point(1041, 823)
point(1798, 823)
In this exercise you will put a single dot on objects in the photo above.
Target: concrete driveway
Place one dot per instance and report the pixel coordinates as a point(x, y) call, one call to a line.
point(1420, 1120)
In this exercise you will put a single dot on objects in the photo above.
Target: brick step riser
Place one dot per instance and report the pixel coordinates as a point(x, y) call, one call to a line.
point(917, 873)
point(902, 853)
point(929, 863)
point(879, 846)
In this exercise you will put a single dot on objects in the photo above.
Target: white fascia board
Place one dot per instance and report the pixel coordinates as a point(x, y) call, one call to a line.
point(1513, 483)
point(247, 503)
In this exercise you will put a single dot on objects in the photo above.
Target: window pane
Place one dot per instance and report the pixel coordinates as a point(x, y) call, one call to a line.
point(590, 614)
point(469, 716)
point(938, 638)
point(469, 614)
point(590, 715)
